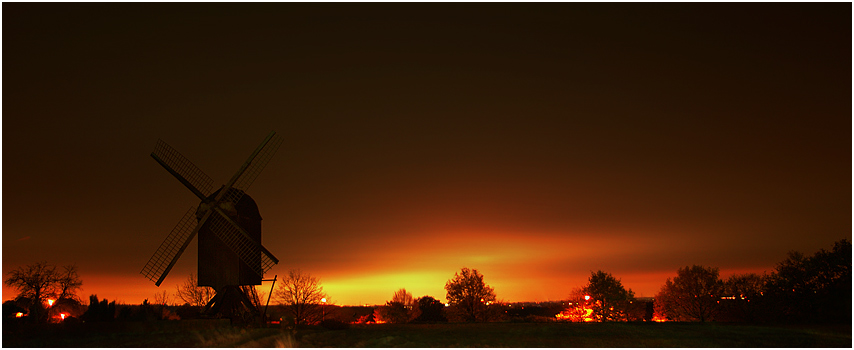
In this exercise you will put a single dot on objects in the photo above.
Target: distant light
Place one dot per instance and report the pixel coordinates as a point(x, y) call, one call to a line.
point(50, 302)
point(19, 315)
point(586, 297)
point(62, 316)
point(323, 300)
point(446, 304)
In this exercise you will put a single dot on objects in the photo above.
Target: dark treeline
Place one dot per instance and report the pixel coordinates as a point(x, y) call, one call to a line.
point(801, 289)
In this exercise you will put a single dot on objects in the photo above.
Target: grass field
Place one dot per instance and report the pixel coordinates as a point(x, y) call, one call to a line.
point(217, 334)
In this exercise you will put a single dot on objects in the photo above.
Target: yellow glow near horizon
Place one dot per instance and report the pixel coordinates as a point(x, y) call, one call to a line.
point(376, 289)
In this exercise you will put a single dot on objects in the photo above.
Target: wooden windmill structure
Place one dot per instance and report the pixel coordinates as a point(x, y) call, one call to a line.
point(228, 224)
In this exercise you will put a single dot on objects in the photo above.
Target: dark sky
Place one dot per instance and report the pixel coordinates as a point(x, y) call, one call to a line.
point(533, 142)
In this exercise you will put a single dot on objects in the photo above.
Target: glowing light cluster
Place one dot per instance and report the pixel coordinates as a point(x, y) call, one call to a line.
point(577, 313)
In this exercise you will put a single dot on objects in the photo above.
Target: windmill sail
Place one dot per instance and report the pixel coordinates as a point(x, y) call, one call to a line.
point(253, 166)
point(185, 171)
point(170, 250)
point(247, 249)
point(250, 251)
point(211, 219)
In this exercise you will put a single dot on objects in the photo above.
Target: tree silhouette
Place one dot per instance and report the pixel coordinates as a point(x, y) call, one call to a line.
point(162, 298)
point(400, 309)
point(815, 288)
point(608, 298)
point(301, 294)
point(470, 295)
point(692, 295)
point(192, 293)
point(747, 295)
point(430, 310)
point(100, 311)
point(401, 296)
point(41, 281)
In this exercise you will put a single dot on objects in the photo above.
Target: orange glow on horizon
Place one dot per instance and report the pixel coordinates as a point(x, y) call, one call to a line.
point(520, 267)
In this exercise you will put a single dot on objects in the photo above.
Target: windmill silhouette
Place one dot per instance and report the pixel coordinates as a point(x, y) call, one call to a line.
point(228, 224)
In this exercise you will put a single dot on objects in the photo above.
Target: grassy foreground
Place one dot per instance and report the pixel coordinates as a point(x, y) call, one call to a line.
point(176, 334)
point(579, 335)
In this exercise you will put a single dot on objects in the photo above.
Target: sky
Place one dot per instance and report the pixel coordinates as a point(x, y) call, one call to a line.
point(536, 143)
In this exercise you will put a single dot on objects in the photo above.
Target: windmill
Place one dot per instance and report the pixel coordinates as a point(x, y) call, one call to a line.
point(228, 224)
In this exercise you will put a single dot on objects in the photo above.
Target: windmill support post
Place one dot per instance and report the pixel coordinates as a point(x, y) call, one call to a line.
point(269, 295)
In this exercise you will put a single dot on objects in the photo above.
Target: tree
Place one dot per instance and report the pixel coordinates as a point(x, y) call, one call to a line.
point(469, 295)
point(610, 300)
point(162, 298)
point(430, 310)
point(301, 294)
point(744, 293)
point(692, 295)
point(192, 293)
point(401, 296)
point(815, 288)
point(400, 309)
point(41, 281)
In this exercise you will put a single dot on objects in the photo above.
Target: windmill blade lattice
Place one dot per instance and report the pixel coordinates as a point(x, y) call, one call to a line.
point(255, 167)
point(238, 240)
point(249, 250)
point(186, 172)
point(160, 263)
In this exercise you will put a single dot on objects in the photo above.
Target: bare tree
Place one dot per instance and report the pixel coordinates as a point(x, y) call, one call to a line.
point(192, 293)
point(403, 297)
point(302, 296)
point(162, 298)
point(41, 281)
point(69, 282)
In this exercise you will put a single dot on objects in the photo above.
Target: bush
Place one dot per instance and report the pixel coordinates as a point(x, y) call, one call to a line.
point(333, 325)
